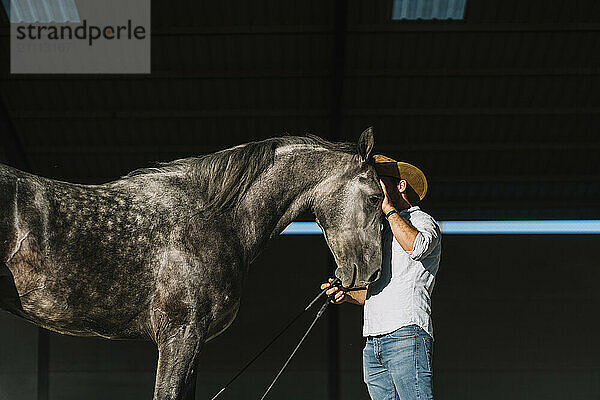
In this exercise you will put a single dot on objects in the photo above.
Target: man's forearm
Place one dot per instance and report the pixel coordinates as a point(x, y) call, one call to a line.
point(356, 296)
point(403, 231)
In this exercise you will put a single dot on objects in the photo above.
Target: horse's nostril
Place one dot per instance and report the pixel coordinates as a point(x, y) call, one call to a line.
point(374, 276)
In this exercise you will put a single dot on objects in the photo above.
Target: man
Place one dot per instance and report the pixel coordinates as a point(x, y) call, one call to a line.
point(397, 307)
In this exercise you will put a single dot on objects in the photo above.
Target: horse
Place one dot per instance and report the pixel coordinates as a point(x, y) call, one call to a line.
point(162, 253)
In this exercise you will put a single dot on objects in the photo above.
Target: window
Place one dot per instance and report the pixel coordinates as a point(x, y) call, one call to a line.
point(42, 11)
point(428, 9)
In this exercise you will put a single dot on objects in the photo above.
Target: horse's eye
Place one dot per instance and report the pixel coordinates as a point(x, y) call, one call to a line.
point(375, 200)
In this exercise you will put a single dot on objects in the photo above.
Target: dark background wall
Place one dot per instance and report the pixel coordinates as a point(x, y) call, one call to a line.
point(500, 110)
point(515, 317)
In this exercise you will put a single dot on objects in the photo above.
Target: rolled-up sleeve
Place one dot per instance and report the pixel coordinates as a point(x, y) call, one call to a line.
point(427, 239)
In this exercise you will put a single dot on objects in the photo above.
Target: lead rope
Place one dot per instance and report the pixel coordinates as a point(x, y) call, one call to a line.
point(321, 311)
point(323, 307)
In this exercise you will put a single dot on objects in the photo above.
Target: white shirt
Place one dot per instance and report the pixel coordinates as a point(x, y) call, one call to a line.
point(402, 294)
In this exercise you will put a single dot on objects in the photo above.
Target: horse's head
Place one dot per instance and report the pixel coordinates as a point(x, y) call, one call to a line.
point(348, 209)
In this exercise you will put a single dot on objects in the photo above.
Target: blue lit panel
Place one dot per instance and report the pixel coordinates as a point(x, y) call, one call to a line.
point(526, 227)
point(6, 4)
point(302, 228)
point(42, 11)
point(428, 9)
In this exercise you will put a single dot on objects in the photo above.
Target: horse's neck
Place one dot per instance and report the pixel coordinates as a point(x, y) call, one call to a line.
point(277, 197)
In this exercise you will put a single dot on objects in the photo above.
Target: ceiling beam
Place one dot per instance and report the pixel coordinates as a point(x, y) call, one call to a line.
point(373, 73)
point(380, 28)
point(269, 113)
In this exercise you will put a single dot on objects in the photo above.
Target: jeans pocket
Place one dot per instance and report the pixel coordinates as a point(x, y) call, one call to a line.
point(428, 346)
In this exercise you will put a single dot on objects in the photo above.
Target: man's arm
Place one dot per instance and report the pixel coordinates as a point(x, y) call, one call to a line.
point(418, 241)
point(404, 232)
point(356, 297)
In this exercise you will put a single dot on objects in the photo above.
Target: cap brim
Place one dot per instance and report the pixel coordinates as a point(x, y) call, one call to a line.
point(415, 178)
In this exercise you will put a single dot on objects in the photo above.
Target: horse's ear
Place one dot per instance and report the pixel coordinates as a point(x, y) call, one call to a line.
point(366, 144)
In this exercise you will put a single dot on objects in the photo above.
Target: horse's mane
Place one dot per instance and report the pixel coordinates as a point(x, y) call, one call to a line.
point(226, 175)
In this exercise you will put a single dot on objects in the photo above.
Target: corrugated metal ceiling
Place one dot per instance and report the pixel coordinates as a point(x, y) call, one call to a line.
point(428, 9)
point(41, 11)
point(478, 104)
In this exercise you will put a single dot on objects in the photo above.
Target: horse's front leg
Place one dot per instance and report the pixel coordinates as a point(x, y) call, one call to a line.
point(178, 351)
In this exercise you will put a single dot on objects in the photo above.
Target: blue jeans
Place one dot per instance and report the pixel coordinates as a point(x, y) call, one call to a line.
point(398, 365)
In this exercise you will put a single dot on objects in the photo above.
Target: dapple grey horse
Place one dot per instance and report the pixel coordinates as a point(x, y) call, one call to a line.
point(162, 253)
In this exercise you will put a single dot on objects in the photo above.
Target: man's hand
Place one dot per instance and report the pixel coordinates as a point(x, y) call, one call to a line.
point(340, 295)
point(386, 205)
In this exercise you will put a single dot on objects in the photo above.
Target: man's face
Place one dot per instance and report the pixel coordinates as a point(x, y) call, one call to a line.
point(395, 187)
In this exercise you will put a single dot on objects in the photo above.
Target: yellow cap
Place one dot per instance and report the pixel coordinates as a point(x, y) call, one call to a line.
point(415, 178)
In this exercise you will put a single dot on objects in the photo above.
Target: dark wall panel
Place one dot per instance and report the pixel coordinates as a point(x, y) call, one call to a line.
point(514, 317)
point(98, 369)
point(18, 358)
point(281, 283)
